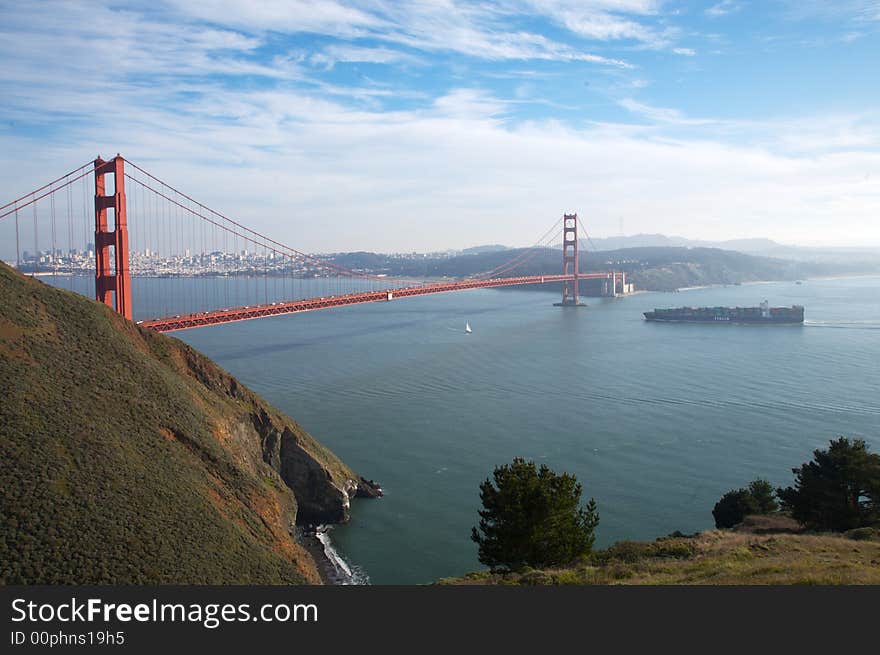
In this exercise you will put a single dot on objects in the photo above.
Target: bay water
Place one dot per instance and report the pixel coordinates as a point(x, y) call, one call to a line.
point(657, 421)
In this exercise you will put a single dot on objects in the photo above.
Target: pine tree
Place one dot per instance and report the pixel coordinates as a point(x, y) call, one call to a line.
point(839, 490)
point(762, 493)
point(532, 517)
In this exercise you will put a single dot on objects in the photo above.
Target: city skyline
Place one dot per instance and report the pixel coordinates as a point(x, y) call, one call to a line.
point(189, 263)
point(433, 126)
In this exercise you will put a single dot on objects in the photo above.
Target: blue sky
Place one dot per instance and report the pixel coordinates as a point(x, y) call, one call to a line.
point(428, 125)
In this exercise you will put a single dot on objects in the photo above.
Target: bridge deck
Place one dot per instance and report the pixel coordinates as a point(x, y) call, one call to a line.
point(184, 322)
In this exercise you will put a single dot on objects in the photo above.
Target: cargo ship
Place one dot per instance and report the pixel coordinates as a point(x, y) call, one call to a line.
point(763, 314)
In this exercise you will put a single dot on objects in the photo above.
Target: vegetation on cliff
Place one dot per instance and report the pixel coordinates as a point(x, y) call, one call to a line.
point(824, 530)
point(763, 550)
point(735, 505)
point(838, 490)
point(128, 457)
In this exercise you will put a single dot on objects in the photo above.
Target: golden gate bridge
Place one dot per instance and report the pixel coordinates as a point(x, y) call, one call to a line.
point(140, 226)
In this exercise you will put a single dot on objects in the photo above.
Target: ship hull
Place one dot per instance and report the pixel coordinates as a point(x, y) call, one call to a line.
point(720, 315)
point(759, 321)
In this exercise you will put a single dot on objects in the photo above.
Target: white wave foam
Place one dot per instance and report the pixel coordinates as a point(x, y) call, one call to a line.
point(844, 325)
point(345, 572)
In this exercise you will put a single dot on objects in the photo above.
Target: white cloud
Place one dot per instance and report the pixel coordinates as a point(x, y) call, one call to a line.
point(860, 11)
point(661, 114)
point(456, 173)
point(471, 104)
point(793, 137)
point(318, 16)
point(332, 54)
point(475, 30)
point(600, 20)
point(723, 8)
point(290, 151)
point(687, 52)
point(610, 20)
point(68, 42)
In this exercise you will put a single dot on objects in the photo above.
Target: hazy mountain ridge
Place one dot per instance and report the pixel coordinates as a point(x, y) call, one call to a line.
point(652, 268)
point(479, 250)
point(750, 246)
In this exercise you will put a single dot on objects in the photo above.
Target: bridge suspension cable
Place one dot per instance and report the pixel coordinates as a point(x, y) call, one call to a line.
point(136, 236)
point(44, 191)
point(545, 242)
point(256, 237)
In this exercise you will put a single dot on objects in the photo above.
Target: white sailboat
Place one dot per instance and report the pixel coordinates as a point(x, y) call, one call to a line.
point(467, 327)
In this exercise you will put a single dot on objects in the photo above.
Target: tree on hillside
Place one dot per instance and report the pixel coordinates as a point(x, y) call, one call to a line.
point(763, 495)
point(736, 504)
point(532, 517)
point(839, 490)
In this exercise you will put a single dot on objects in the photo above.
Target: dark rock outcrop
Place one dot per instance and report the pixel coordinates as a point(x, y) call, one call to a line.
point(323, 489)
point(369, 489)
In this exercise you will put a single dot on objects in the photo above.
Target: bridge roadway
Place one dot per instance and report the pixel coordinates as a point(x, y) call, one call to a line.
point(184, 322)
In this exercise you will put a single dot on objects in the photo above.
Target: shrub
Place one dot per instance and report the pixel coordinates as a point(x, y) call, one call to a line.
point(736, 504)
point(863, 534)
point(634, 551)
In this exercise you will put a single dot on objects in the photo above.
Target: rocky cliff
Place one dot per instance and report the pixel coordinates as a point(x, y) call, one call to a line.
point(128, 457)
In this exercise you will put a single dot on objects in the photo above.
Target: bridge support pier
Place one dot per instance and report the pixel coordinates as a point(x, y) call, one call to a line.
point(570, 292)
point(613, 285)
point(112, 276)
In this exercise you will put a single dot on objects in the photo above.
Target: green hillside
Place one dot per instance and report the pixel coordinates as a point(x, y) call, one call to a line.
point(130, 458)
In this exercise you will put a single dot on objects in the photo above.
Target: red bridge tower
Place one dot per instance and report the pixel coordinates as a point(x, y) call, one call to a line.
point(570, 294)
point(112, 278)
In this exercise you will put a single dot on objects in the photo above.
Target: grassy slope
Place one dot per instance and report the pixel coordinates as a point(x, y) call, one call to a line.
point(720, 557)
point(127, 457)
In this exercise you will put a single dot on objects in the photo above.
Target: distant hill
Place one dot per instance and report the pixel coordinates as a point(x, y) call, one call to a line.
point(663, 241)
point(478, 250)
point(652, 268)
point(667, 269)
point(760, 247)
point(130, 458)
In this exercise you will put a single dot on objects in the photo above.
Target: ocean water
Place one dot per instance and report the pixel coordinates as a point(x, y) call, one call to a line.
point(656, 420)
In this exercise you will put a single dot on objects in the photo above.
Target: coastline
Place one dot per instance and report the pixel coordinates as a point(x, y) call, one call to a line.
point(855, 276)
point(307, 539)
point(332, 567)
